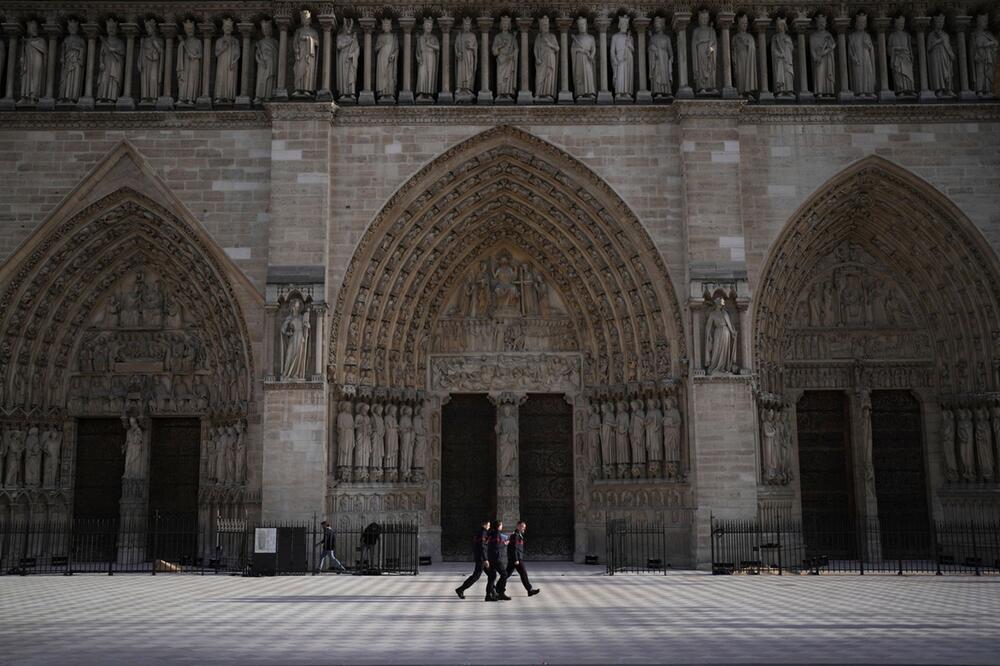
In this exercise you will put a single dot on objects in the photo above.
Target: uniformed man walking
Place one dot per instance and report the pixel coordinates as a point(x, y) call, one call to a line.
point(329, 543)
point(496, 551)
point(479, 543)
point(515, 558)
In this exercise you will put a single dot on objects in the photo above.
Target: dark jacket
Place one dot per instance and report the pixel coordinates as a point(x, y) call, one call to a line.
point(515, 548)
point(329, 539)
point(479, 543)
point(496, 549)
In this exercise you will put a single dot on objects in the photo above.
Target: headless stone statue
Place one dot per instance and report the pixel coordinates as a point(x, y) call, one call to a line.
point(406, 442)
point(345, 439)
point(983, 45)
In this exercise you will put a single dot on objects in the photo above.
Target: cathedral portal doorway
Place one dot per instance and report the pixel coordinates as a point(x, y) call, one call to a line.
point(100, 461)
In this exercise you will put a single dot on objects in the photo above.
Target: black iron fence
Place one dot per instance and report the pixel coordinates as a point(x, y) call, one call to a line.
point(777, 544)
point(636, 546)
point(183, 544)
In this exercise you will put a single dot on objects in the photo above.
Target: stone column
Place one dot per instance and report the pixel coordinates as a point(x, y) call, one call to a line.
point(125, 102)
point(445, 96)
point(246, 31)
point(920, 24)
point(367, 96)
point(281, 80)
point(133, 507)
point(326, 24)
point(92, 30)
point(679, 23)
point(760, 26)
point(508, 482)
point(642, 95)
point(724, 20)
point(801, 25)
point(485, 24)
point(406, 93)
point(169, 30)
point(864, 472)
point(884, 93)
point(961, 28)
point(604, 95)
point(524, 93)
point(205, 100)
point(48, 102)
point(564, 23)
point(12, 29)
point(841, 25)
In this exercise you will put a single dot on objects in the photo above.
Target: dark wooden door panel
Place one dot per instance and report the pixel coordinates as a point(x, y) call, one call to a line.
point(175, 450)
point(468, 471)
point(100, 464)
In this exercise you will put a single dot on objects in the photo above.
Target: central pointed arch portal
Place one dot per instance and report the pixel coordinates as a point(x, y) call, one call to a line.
point(504, 269)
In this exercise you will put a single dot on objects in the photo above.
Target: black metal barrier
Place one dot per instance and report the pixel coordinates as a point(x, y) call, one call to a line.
point(636, 546)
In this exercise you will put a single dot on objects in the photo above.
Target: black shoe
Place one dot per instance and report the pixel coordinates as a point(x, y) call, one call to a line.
point(458, 591)
point(503, 597)
point(490, 599)
point(533, 592)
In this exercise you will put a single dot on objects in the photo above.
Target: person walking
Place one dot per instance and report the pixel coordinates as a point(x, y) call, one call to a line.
point(496, 551)
point(479, 542)
point(515, 557)
point(329, 543)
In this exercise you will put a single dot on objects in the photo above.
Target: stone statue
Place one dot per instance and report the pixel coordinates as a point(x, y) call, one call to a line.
point(901, 57)
point(505, 291)
point(654, 436)
point(74, 57)
point(386, 53)
point(769, 446)
point(583, 51)
point(594, 439)
point(428, 48)
point(112, 63)
point(34, 54)
point(720, 339)
point(984, 445)
point(506, 429)
point(529, 297)
point(995, 422)
point(305, 46)
point(505, 52)
point(948, 442)
point(232, 453)
point(782, 61)
point(867, 466)
point(150, 63)
point(266, 57)
point(661, 60)
point(133, 450)
point(704, 47)
point(391, 442)
point(622, 445)
point(345, 439)
point(33, 458)
point(53, 449)
point(240, 453)
point(189, 54)
point(744, 58)
point(984, 56)
point(608, 438)
point(406, 441)
point(824, 62)
point(623, 60)
point(546, 52)
point(222, 454)
point(672, 437)
point(966, 452)
point(419, 444)
point(861, 57)
point(378, 442)
point(227, 62)
point(13, 448)
point(362, 442)
point(637, 437)
point(295, 341)
point(940, 59)
point(348, 51)
point(483, 300)
point(467, 57)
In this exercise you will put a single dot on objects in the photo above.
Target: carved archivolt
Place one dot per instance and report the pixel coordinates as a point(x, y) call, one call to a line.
point(878, 280)
point(505, 187)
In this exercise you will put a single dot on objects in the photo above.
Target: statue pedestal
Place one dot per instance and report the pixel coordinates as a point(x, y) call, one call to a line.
point(765, 97)
point(67, 105)
point(279, 95)
point(485, 97)
point(406, 97)
point(644, 97)
point(346, 100)
point(845, 97)
point(445, 98)
point(85, 103)
point(203, 103)
point(605, 97)
point(241, 102)
point(366, 98)
point(26, 104)
point(386, 100)
point(968, 96)
point(47, 104)
point(125, 104)
point(887, 96)
point(524, 98)
point(7, 104)
point(565, 97)
point(730, 92)
point(686, 92)
point(624, 99)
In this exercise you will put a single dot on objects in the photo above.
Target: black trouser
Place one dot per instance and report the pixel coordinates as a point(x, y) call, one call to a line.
point(521, 572)
point(471, 580)
point(496, 570)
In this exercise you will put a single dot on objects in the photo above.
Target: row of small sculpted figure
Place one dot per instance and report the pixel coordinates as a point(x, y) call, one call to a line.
point(635, 439)
point(226, 454)
point(379, 442)
point(968, 437)
point(29, 456)
point(748, 74)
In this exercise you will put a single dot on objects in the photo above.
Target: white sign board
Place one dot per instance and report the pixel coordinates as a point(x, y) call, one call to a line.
point(265, 540)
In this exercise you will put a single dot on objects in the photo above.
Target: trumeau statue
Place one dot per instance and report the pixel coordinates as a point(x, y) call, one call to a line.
point(295, 341)
point(305, 46)
point(227, 61)
point(74, 55)
point(940, 59)
point(34, 53)
point(189, 55)
point(546, 61)
point(661, 60)
point(506, 429)
point(861, 57)
point(505, 52)
point(348, 51)
point(386, 53)
point(824, 62)
point(266, 57)
point(720, 339)
point(133, 451)
point(704, 47)
point(583, 50)
point(901, 58)
point(112, 63)
point(623, 60)
point(744, 58)
point(782, 63)
point(467, 57)
point(150, 63)
point(948, 445)
point(983, 45)
point(428, 49)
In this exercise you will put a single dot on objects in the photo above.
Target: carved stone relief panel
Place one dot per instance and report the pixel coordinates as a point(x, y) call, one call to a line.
point(538, 372)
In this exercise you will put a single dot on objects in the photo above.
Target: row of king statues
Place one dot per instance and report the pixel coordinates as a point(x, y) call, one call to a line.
point(635, 437)
point(381, 441)
point(969, 434)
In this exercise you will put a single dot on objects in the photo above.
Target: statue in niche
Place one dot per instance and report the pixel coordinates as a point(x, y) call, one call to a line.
point(948, 443)
point(622, 445)
point(265, 54)
point(386, 53)
point(529, 296)
point(594, 452)
point(483, 300)
point(419, 444)
point(227, 61)
point(637, 438)
point(744, 58)
point(362, 442)
point(661, 60)
point(112, 63)
point(11, 453)
point(901, 57)
point(150, 63)
point(133, 450)
point(505, 52)
point(378, 442)
point(406, 440)
point(821, 47)
point(345, 440)
point(984, 445)
point(505, 290)
point(769, 444)
point(232, 446)
point(654, 437)
point(623, 60)
point(984, 56)
point(391, 442)
point(295, 341)
point(222, 454)
point(305, 46)
point(704, 47)
point(940, 59)
point(33, 458)
point(428, 49)
point(995, 423)
point(720, 339)
point(348, 51)
point(672, 437)
point(152, 304)
point(506, 429)
point(72, 61)
point(52, 445)
point(546, 52)
point(189, 55)
point(608, 438)
point(966, 451)
point(782, 60)
point(584, 50)
point(240, 453)
point(541, 294)
point(467, 57)
point(861, 57)
point(34, 53)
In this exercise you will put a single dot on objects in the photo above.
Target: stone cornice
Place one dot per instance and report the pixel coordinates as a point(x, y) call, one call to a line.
point(502, 115)
point(134, 120)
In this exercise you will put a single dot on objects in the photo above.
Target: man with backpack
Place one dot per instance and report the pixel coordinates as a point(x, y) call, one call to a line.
point(515, 559)
point(479, 543)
